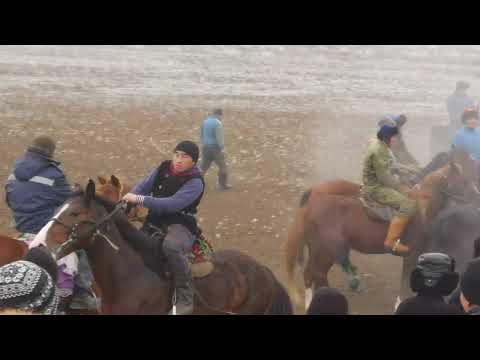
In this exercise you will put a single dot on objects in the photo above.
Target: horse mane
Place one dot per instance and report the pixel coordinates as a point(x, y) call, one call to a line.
point(136, 239)
point(434, 177)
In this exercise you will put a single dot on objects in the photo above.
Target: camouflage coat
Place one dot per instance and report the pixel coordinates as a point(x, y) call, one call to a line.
point(380, 184)
point(378, 165)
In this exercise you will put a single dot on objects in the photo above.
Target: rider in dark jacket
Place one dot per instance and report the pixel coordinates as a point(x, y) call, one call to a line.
point(36, 187)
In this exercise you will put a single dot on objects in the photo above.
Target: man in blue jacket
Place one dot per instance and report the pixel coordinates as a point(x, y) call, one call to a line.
point(35, 189)
point(172, 193)
point(213, 146)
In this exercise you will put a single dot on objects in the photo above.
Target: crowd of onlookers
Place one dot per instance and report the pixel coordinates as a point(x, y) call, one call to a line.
point(28, 287)
point(433, 280)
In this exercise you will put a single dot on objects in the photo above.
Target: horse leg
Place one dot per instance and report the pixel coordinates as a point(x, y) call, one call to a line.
point(317, 276)
point(350, 270)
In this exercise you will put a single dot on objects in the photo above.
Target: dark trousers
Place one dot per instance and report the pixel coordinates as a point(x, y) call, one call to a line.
point(214, 154)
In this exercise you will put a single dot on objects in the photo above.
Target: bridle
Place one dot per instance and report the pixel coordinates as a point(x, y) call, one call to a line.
point(73, 233)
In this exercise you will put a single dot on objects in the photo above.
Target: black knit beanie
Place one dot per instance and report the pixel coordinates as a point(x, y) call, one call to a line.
point(190, 148)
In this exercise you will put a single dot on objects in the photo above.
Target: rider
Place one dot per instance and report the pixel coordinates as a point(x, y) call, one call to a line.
point(468, 137)
point(172, 193)
point(35, 188)
point(385, 188)
point(405, 165)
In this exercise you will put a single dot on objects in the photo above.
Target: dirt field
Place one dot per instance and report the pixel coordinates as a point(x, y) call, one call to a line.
point(274, 154)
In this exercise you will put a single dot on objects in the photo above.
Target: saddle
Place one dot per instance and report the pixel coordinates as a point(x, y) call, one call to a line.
point(374, 209)
point(199, 257)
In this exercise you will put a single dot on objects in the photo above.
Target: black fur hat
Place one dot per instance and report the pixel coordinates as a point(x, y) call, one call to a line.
point(435, 275)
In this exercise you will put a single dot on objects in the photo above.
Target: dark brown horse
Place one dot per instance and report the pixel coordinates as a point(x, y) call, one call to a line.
point(333, 224)
point(238, 283)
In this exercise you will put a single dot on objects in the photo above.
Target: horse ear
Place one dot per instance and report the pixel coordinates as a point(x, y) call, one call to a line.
point(102, 180)
point(115, 181)
point(90, 191)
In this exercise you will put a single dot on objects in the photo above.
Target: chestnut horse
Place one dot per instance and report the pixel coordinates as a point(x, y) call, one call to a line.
point(237, 285)
point(332, 224)
point(11, 250)
point(113, 189)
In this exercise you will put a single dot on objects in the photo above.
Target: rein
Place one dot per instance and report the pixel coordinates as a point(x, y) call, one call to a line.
point(73, 235)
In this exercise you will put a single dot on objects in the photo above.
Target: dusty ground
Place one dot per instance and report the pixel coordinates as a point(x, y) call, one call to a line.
point(293, 116)
point(269, 153)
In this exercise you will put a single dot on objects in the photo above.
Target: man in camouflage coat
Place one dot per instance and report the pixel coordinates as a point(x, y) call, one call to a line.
point(405, 165)
point(385, 188)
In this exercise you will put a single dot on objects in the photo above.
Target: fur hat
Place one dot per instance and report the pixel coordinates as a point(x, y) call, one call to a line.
point(434, 274)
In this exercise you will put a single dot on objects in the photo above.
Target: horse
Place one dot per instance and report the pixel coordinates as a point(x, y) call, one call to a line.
point(238, 284)
point(114, 190)
point(471, 194)
point(334, 224)
point(11, 250)
point(456, 232)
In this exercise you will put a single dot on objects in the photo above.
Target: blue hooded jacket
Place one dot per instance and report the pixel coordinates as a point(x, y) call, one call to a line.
point(36, 187)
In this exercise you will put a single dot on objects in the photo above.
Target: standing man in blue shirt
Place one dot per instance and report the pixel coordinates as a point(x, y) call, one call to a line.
point(212, 147)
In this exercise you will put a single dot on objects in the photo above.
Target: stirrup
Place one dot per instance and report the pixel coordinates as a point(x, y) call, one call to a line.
point(393, 250)
point(394, 247)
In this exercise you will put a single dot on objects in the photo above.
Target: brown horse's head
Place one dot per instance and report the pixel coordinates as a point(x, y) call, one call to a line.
point(75, 225)
point(111, 189)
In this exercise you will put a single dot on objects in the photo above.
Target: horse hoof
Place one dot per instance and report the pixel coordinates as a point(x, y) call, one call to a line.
point(354, 284)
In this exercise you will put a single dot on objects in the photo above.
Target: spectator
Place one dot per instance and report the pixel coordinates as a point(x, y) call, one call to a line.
point(328, 301)
point(470, 288)
point(433, 278)
point(27, 289)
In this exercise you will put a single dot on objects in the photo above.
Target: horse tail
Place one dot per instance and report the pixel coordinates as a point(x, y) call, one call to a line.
point(280, 304)
point(295, 244)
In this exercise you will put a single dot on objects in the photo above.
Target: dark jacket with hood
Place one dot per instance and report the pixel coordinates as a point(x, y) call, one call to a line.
point(35, 188)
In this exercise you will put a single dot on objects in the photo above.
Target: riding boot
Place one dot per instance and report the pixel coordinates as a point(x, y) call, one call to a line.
point(222, 181)
point(64, 304)
point(392, 241)
point(182, 279)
